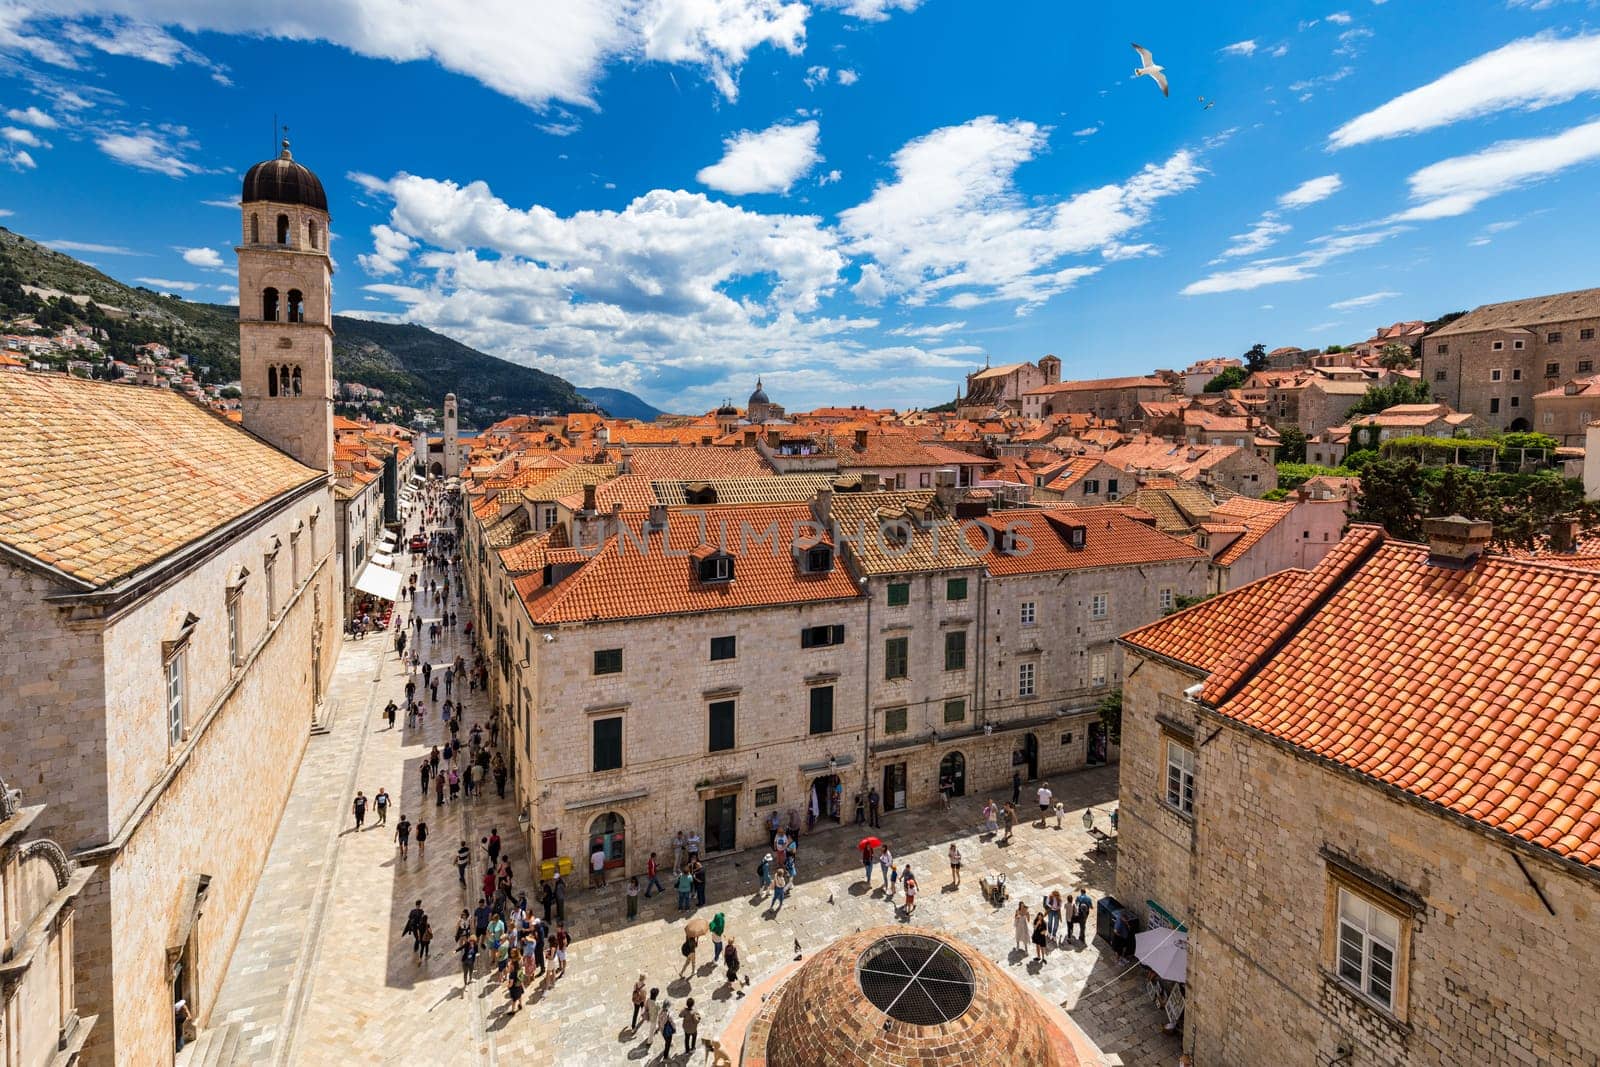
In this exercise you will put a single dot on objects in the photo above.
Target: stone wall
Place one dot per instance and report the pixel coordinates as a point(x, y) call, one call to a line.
point(1493, 976)
point(1460, 368)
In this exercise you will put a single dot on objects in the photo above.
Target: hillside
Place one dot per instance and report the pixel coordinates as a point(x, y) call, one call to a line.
point(619, 403)
point(413, 365)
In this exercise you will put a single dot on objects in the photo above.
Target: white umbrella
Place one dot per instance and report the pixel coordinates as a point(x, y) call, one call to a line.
point(1165, 952)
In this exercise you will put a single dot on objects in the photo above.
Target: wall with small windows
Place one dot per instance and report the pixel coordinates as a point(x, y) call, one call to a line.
point(1496, 373)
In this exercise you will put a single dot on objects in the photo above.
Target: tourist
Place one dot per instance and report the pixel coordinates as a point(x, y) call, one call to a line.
point(424, 942)
point(730, 959)
point(652, 1011)
point(911, 891)
point(694, 846)
point(633, 898)
point(1009, 817)
point(717, 925)
point(1021, 925)
point(955, 865)
point(679, 847)
point(381, 804)
point(469, 959)
point(652, 882)
point(872, 806)
point(491, 844)
point(1040, 936)
point(867, 860)
point(463, 860)
point(691, 946)
point(894, 880)
point(1081, 907)
point(597, 867)
point(1046, 797)
point(885, 861)
point(360, 809)
point(514, 993)
point(1121, 937)
point(764, 873)
point(500, 774)
point(1052, 912)
point(1060, 811)
point(426, 772)
point(547, 897)
point(422, 840)
point(691, 1026)
point(639, 1002)
point(1016, 787)
point(560, 942)
point(991, 817)
point(685, 886)
point(402, 834)
point(697, 873)
point(668, 1030)
point(780, 888)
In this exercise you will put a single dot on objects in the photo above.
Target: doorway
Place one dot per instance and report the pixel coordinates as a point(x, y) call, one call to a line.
point(722, 818)
point(953, 775)
point(1097, 744)
point(609, 833)
point(894, 786)
point(825, 800)
point(547, 845)
point(1026, 757)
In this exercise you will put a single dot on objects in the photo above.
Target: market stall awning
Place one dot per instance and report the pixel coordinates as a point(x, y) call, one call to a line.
point(380, 581)
point(1164, 951)
point(382, 559)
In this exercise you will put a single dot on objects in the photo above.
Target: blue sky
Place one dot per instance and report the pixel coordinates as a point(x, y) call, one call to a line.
point(860, 200)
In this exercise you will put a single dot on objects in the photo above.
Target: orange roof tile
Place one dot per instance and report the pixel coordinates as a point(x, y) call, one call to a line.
point(1113, 538)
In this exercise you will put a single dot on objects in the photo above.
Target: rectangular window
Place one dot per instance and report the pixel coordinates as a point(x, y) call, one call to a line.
point(294, 560)
point(1180, 776)
point(1164, 597)
point(1516, 374)
point(894, 720)
point(896, 657)
point(1111, 485)
point(821, 636)
point(955, 589)
point(821, 709)
point(1097, 669)
point(899, 594)
point(1549, 418)
point(955, 650)
point(721, 732)
point(1025, 679)
point(1585, 366)
point(1516, 401)
point(1494, 405)
point(1442, 349)
point(607, 744)
point(1586, 334)
point(272, 587)
point(1552, 370)
point(1517, 345)
point(549, 517)
point(608, 661)
point(927, 479)
point(1439, 375)
point(175, 694)
point(1369, 943)
point(1091, 486)
point(955, 710)
point(1497, 346)
point(234, 642)
point(1099, 606)
point(1496, 374)
point(1553, 337)
point(723, 647)
point(1028, 613)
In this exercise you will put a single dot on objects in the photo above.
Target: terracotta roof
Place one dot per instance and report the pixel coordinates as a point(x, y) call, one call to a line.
point(771, 489)
point(1206, 635)
point(621, 581)
point(1091, 384)
point(1532, 311)
point(1113, 538)
point(689, 463)
point(531, 553)
point(99, 479)
point(888, 450)
point(632, 491)
point(870, 523)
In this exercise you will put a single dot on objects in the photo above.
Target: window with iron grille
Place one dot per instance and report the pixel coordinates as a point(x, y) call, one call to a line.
point(723, 647)
point(608, 661)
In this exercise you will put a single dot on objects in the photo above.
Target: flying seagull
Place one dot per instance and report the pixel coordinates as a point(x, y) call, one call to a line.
point(1150, 68)
point(1209, 104)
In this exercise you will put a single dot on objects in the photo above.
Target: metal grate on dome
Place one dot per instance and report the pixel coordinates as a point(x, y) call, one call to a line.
point(915, 979)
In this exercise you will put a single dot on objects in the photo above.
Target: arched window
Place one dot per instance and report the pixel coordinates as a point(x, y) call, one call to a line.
point(607, 834)
point(283, 229)
point(296, 308)
point(272, 381)
point(255, 229)
point(284, 388)
point(269, 305)
point(311, 229)
point(297, 381)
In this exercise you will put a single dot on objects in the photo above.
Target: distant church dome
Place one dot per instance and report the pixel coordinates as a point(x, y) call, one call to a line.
point(759, 396)
point(283, 181)
point(727, 410)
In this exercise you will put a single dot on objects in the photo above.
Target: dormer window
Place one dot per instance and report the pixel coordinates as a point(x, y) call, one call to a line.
point(817, 559)
point(1077, 536)
point(715, 568)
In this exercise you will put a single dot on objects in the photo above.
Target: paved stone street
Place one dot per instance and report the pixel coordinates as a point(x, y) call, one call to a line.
point(322, 973)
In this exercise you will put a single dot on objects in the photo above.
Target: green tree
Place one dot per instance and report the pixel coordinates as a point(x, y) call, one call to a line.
point(1390, 493)
point(1232, 378)
point(1357, 461)
point(1256, 359)
point(1460, 491)
point(1110, 708)
point(1291, 445)
point(1382, 397)
point(1394, 355)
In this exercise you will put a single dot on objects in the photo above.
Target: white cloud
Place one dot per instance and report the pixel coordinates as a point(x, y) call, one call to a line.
point(1455, 186)
point(1261, 235)
point(847, 77)
point(91, 248)
point(1087, 131)
point(870, 288)
point(149, 149)
point(1532, 73)
point(32, 116)
point(830, 177)
point(533, 51)
point(1310, 192)
point(17, 135)
point(1339, 18)
point(168, 283)
point(815, 76)
point(765, 161)
point(6, 212)
point(562, 128)
point(1239, 48)
point(872, 10)
point(201, 257)
point(1352, 42)
point(231, 205)
point(952, 225)
point(19, 160)
point(929, 332)
point(390, 248)
point(1295, 268)
point(1280, 51)
point(1363, 301)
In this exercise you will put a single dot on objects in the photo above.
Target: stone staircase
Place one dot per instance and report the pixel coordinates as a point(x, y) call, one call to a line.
point(215, 1047)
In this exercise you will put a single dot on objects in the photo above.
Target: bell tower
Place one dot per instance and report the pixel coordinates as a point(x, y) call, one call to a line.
point(286, 311)
point(452, 445)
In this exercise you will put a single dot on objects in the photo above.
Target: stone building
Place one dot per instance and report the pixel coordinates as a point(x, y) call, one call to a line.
point(1005, 387)
point(39, 888)
point(1494, 359)
point(1374, 811)
point(1111, 399)
point(1566, 411)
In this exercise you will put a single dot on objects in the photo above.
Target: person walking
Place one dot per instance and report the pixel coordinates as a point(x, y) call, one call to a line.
point(381, 804)
point(910, 884)
point(685, 886)
point(730, 959)
point(1040, 936)
point(780, 888)
point(691, 1026)
point(991, 817)
point(955, 865)
point(652, 881)
point(691, 947)
point(894, 880)
point(359, 806)
point(559, 943)
point(402, 835)
point(764, 874)
point(1081, 907)
point(639, 1001)
point(697, 874)
point(1052, 913)
point(872, 807)
point(652, 1012)
point(1009, 817)
point(633, 898)
point(1046, 797)
point(597, 867)
point(500, 775)
point(885, 861)
point(422, 840)
point(717, 925)
point(1021, 926)
point(867, 861)
point(668, 1030)
point(425, 771)
point(426, 943)
point(469, 959)
point(561, 897)
point(1016, 787)
point(463, 861)
point(438, 789)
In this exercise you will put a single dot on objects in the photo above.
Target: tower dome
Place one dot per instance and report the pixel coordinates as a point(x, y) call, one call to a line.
point(759, 396)
point(283, 181)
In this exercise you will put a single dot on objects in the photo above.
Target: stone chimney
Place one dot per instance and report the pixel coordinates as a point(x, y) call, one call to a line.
point(1455, 541)
point(823, 509)
point(944, 487)
point(588, 499)
point(861, 440)
point(869, 481)
point(774, 437)
point(1564, 535)
point(658, 518)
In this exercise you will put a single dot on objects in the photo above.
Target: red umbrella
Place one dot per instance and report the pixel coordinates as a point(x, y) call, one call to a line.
point(870, 842)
